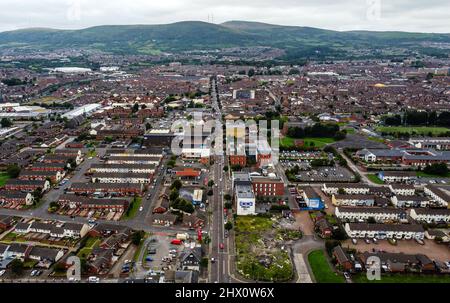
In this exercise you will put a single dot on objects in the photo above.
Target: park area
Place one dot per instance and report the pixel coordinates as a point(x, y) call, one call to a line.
point(321, 268)
point(288, 142)
point(413, 130)
point(262, 254)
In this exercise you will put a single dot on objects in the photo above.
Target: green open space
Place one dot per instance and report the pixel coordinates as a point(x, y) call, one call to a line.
point(374, 178)
point(321, 268)
point(132, 209)
point(419, 130)
point(316, 142)
point(4, 177)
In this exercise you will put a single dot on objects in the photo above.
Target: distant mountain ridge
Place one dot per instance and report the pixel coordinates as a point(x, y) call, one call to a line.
point(196, 35)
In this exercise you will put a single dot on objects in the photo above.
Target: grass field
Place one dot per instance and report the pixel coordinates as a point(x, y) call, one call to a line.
point(317, 142)
point(3, 178)
point(134, 207)
point(375, 179)
point(419, 130)
point(403, 279)
point(322, 271)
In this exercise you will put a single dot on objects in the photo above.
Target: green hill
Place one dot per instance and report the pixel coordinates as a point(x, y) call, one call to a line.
point(194, 35)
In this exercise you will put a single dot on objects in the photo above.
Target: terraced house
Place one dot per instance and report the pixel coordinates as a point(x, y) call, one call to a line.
point(381, 215)
point(385, 231)
point(431, 215)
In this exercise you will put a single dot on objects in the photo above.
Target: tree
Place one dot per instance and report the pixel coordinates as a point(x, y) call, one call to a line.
point(204, 263)
point(136, 238)
point(6, 123)
point(211, 183)
point(148, 126)
point(13, 171)
point(210, 192)
point(229, 226)
point(17, 267)
point(135, 107)
point(371, 220)
point(174, 194)
point(228, 205)
point(251, 72)
point(227, 197)
point(439, 169)
point(176, 185)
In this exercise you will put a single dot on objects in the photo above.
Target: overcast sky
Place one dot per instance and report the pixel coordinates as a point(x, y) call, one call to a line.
point(402, 15)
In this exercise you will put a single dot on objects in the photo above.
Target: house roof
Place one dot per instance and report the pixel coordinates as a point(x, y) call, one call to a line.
point(386, 227)
point(44, 253)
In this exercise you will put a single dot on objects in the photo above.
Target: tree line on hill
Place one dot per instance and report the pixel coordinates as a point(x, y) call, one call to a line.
point(419, 118)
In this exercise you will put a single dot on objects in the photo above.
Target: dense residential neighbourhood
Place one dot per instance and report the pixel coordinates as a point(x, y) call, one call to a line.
point(227, 164)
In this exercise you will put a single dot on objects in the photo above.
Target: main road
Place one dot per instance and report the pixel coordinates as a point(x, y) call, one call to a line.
point(220, 268)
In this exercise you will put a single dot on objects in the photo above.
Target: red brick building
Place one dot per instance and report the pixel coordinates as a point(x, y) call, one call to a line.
point(265, 186)
point(237, 160)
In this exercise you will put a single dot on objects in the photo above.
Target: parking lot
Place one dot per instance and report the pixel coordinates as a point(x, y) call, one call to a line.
point(326, 174)
point(433, 250)
point(159, 254)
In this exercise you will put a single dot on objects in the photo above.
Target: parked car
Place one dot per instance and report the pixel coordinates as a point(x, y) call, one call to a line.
point(94, 279)
point(347, 276)
point(419, 241)
point(221, 246)
point(2, 272)
point(367, 241)
point(354, 241)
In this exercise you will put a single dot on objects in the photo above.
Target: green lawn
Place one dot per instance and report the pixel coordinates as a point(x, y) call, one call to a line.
point(409, 278)
point(419, 130)
point(133, 209)
point(3, 178)
point(91, 243)
point(317, 142)
point(375, 179)
point(321, 268)
point(91, 154)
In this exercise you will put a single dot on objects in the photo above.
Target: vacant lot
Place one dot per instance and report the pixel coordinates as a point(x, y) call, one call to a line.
point(417, 130)
point(322, 270)
point(261, 251)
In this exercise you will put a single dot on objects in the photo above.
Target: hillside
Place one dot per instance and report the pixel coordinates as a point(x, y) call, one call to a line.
point(194, 35)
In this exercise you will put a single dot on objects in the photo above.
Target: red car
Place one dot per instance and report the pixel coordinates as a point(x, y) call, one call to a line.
point(221, 246)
